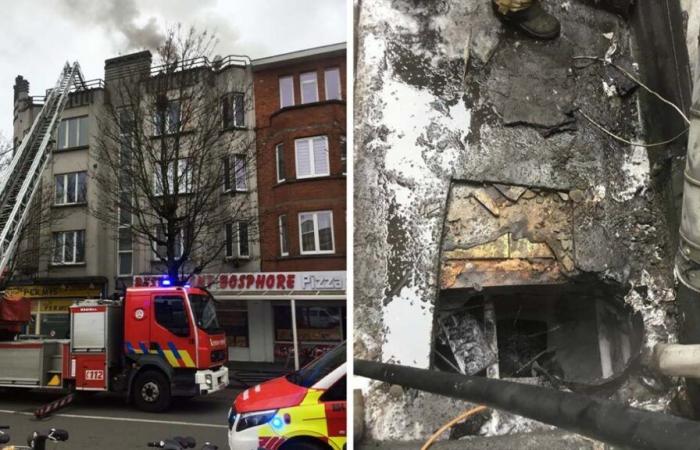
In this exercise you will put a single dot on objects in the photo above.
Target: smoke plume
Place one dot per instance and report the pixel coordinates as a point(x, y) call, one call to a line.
point(118, 16)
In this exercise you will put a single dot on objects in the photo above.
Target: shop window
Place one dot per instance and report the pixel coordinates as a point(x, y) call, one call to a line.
point(70, 188)
point(233, 317)
point(73, 133)
point(332, 79)
point(69, 247)
point(314, 323)
point(286, 91)
point(316, 232)
point(233, 110)
point(309, 87)
point(312, 157)
point(171, 314)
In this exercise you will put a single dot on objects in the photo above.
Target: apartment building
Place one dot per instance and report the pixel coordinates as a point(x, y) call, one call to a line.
point(300, 114)
point(68, 252)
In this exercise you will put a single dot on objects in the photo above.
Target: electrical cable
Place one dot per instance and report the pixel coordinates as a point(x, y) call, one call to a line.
point(626, 141)
point(636, 80)
point(464, 415)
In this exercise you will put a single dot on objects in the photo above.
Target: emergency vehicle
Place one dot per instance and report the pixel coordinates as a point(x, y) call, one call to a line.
point(154, 344)
point(305, 410)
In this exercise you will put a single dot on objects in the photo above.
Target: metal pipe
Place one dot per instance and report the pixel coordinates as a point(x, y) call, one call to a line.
point(596, 418)
point(292, 303)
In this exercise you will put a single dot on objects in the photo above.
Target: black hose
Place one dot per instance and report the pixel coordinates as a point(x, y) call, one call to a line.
point(596, 418)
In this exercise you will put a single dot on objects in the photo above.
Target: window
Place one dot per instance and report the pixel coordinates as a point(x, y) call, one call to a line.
point(279, 158)
point(69, 247)
point(286, 92)
point(315, 323)
point(238, 177)
point(343, 155)
point(73, 133)
point(233, 110)
point(168, 119)
point(237, 239)
point(309, 88)
point(312, 157)
point(284, 243)
point(184, 178)
point(160, 251)
point(171, 314)
point(125, 251)
point(233, 316)
point(70, 188)
point(316, 232)
point(332, 78)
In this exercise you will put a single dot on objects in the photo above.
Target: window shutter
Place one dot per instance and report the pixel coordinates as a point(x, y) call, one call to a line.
point(303, 158)
point(321, 155)
point(226, 111)
point(227, 174)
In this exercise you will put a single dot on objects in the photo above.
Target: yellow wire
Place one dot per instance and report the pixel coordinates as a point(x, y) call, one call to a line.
point(449, 424)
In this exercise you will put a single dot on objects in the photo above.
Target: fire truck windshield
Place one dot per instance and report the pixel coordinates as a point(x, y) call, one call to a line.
point(205, 313)
point(310, 374)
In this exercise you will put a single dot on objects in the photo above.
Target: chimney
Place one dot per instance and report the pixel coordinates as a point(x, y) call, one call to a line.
point(133, 65)
point(21, 86)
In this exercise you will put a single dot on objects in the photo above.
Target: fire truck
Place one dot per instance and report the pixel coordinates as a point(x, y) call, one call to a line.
point(154, 344)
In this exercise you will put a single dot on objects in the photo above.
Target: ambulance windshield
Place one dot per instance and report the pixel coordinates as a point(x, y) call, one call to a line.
point(205, 313)
point(313, 372)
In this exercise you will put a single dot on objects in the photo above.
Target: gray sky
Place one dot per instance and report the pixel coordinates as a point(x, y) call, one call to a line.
point(39, 35)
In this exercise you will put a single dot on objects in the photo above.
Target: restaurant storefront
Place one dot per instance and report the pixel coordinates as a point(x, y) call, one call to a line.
point(50, 303)
point(282, 317)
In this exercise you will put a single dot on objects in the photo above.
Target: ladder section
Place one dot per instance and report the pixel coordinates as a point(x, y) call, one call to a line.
point(23, 178)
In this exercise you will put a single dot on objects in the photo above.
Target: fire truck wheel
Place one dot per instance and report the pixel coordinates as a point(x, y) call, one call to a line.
point(152, 391)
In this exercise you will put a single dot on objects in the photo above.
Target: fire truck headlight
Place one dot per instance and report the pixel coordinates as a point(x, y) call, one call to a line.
point(255, 419)
point(208, 380)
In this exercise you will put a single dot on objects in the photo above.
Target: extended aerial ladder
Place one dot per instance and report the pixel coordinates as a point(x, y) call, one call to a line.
point(23, 177)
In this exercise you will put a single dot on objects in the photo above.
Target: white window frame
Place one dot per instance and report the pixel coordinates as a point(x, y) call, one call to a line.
point(344, 154)
point(312, 161)
point(64, 200)
point(238, 233)
point(280, 176)
point(231, 100)
point(121, 252)
point(168, 124)
point(283, 234)
point(317, 243)
point(302, 83)
point(330, 70)
point(289, 77)
point(63, 261)
point(154, 246)
point(183, 174)
point(234, 236)
point(66, 134)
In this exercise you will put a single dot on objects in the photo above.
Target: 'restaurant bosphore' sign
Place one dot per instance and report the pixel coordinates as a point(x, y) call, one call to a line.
point(259, 281)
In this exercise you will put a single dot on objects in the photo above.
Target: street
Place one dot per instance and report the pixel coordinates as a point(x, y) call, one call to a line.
point(106, 422)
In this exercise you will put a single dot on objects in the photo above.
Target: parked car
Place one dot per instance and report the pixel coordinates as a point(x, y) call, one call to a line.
point(304, 410)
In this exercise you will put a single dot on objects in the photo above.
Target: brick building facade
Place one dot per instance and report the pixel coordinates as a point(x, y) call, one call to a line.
point(300, 114)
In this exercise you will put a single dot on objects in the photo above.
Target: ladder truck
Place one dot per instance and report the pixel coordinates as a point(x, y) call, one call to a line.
point(153, 344)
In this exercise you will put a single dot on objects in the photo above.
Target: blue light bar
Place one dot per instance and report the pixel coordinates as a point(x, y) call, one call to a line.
point(165, 282)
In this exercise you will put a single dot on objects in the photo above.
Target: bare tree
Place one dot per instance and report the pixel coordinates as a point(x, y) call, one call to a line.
point(169, 144)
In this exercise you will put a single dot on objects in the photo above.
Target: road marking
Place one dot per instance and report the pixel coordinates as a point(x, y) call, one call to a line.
point(120, 419)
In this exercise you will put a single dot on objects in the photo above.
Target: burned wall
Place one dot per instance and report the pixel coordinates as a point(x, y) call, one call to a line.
point(445, 94)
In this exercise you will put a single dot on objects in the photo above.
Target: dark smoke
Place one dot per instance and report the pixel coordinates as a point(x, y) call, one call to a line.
point(115, 16)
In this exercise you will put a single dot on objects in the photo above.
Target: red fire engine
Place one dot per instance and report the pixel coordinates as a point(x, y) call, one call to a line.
point(152, 345)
